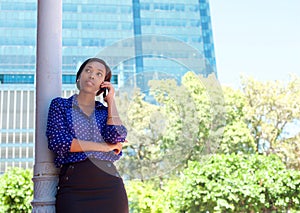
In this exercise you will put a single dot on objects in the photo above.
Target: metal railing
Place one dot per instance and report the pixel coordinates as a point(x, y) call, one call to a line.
point(17, 125)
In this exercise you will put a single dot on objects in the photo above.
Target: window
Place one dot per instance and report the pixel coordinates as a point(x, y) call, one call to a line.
point(205, 26)
point(18, 6)
point(88, 8)
point(203, 12)
point(126, 9)
point(207, 53)
point(206, 39)
point(69, 42)
point(93, 42)
point(100, 25)
point(17, 78)
point(179, 7)
point(114, 79)
point(18, 23)
point(69, 7)
point(69, 24)
point(127, 26)
point(145, 6)
point(193, 8)
point(195, 23)
point(68, 79)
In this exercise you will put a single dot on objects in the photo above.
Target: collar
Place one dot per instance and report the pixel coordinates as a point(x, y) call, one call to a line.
point(73, 102)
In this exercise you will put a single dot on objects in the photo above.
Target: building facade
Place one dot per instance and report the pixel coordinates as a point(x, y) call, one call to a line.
point(92, 28)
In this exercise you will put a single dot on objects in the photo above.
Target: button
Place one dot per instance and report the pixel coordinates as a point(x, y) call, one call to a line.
point(67, 178)
point(117, 175)
point(71, 167)
point(108, 164)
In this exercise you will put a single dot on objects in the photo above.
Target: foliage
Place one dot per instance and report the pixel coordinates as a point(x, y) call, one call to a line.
point(208, 99)
point(240, 183)
point(272, 108)
point(141, 156)
point(186, 121)
point(263, 117)
point(224, 183)
point(237, 137)
point(153, 197)
point(186, 108)
point(142, 196)
point(16, 190)
point(178, 125)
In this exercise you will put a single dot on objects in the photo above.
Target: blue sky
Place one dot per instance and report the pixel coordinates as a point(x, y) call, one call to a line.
point(258, 38)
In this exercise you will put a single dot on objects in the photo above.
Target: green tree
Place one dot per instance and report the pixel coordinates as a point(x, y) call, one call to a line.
point(178, 126)
point(237, 137)
point(143, 154)
point(260, 115)
point(195, 114)
point(271, 107)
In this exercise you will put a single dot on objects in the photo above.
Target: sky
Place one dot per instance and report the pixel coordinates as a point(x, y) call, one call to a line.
point(256, 38)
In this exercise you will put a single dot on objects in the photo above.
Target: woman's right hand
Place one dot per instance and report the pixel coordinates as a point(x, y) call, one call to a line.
point(117, 148)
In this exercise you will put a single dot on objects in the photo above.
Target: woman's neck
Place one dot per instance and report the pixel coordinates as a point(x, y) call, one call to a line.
point(86, 99)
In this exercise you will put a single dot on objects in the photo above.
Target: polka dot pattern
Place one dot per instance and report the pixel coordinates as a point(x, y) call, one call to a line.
point(67, 121)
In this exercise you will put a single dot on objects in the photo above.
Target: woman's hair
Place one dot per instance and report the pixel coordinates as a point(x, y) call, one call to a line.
point(108, 73)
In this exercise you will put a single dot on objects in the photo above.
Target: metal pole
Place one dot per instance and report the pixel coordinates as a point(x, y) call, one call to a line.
point(48, 86)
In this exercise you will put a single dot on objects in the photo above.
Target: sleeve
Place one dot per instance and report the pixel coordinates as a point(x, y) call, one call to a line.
point(114, 133)
point(59, 138)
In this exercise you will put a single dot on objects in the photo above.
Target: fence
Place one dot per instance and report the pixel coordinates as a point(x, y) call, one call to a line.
point(17, 124)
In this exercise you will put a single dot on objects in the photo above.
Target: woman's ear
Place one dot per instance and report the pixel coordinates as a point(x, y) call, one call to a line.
point(78, 84)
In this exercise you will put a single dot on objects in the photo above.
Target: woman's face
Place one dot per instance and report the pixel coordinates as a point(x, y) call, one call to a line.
point(92, 76)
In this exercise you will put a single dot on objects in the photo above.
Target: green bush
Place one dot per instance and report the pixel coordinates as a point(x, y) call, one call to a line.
point(222, 183)
point(16, 190)
point(239, 183)
point(152, 196)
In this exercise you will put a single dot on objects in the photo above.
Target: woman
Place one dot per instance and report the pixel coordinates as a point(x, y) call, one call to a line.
point(87, 137)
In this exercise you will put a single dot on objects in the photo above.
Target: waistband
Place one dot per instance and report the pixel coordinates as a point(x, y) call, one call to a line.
point(104, 165)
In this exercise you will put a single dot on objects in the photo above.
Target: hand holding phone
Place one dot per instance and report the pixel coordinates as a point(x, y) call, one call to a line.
point(105, 88)
point(104, 91)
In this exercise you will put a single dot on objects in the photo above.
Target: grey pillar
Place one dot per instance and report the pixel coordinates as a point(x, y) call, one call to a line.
point(48, 86)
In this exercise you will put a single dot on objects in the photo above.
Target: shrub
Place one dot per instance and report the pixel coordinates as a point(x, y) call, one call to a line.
point(222, 183)
point(239, 183)
point(152, 196)
point(16, 190)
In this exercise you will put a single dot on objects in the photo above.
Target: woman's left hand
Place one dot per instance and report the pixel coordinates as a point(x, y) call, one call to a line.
point(111, 91)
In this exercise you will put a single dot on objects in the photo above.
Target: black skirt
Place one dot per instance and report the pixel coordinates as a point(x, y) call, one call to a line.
point(91, 186)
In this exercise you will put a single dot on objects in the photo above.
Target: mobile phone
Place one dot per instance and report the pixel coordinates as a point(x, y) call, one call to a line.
point(104, 90)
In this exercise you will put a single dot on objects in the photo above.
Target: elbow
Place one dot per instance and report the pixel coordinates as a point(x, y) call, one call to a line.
point(58, 149)
point(54, 149)
point(114, 134)
point(114, 140)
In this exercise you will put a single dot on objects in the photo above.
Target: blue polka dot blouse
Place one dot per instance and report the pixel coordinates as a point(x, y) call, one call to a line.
point(67, 121)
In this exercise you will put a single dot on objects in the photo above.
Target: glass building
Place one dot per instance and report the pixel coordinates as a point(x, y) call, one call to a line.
point(89, 27)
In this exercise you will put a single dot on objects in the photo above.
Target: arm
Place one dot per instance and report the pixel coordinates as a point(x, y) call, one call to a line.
point(114, 132)
point(84, 146)
point(59, 136)
point(112, 112)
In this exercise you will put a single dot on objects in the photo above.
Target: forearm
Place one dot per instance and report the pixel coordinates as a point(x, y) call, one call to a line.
point(113, 115)
point(87, 146)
